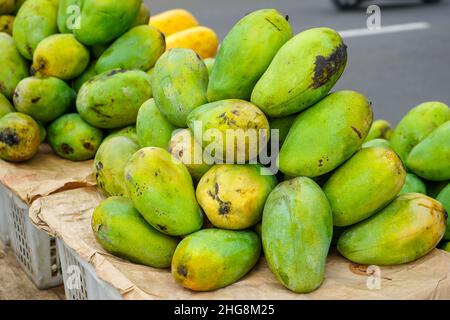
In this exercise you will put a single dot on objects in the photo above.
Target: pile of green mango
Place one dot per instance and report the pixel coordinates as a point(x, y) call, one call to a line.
point(106, 89)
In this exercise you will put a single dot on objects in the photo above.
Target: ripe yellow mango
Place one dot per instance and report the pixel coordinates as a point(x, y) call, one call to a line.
point(173, 21)
point(204, 41)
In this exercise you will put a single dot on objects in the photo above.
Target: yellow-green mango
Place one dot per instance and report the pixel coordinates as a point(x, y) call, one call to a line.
point(14, 67)
point(45, 99)
point(430, 159)
point(19, 137)
point(112, 99)
point(283, 125)
point(444, 198)
point(406, 230)
point(87, 74)
point(103, 21)
point(68, 15)
point(110, 162)
point(381, 129)
point(162, 190)
point(417, 125)
point(413, 184)
point(6, 24)
point(122, 231)
point(5, 106)
point(127, 132)
point(245, 54)
point(61, 56)
point(143, 16)
point(302, 73)
point(179, 83)
point(211, 259)
point(72, 138)
point(297, 229)
point(239, 117)
point(183, 146)
point(233, 196)
point(326, 135)
point(139, 48)
point(383, 143)
point(209, 63)
point(35, 21)
point(371, 179)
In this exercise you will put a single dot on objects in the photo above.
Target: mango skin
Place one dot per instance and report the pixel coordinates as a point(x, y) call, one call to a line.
point(371, 179)
point(143, 16)
point(127, 132)
point(383, 143)
point(209, 63)
point(381, 129)
point(233, 196)
point(173, 21)
point(179, 83)
point(19, 137)
point(232, 114)
point(109, 165)
point(326, 135)
point(14, 66)
point(122, 231)
point(413, 184)
point(66, 17)
point(211, 259)
point(444, 198)
point(297, 229)
point(87, 74)
point(104, 21)
point(112, 99)
point(162, 191)
point(45, 99)
point(204, 41)
point(417, 125)
point(6, 23)
point(406, 230)
point(152, 127)
point(5, 106)
point(283, 125)
point(35, 21)
point(74, 139)
point(184, 147)
point(139, 48)
point(43, 132)
point(302, 73)
point(245, 54)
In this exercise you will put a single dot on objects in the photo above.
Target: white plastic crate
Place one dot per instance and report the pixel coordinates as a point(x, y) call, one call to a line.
point(5, 195)
point(34, 249)
point(80, 279)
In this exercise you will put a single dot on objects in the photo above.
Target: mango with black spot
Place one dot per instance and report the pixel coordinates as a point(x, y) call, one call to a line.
point(233, 196)
point(19, 137)
point(122, 231)
point(72, 138)
point(381, 129)
point(297, 228)
point(6, 23)
point(406, 230)
point(444, 198)
point(211, 259)
point(5, 106)
point(413, 184)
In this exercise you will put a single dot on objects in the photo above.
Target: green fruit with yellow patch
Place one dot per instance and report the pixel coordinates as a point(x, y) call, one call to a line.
point(381, 129)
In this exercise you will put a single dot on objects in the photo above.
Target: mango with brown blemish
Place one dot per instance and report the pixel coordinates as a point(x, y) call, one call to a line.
point(204, 41)
point(406, 230)
point(211, 259)
point(413, 184)
point(233, 196)
point(162, 191)
point(381, 129)
point(303, 71)
point(326, 135)
point(19, 137)
point(5, 106)
point(6, 24)
point(444, 198)
point(72, 138)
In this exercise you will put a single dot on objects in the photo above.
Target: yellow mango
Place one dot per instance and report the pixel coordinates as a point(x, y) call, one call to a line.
point(202, 40)
point(173, 21)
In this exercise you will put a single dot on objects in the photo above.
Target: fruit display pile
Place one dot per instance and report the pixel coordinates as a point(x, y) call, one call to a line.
point(139, 94)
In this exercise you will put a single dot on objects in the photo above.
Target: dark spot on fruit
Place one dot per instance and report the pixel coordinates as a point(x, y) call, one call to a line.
point(327, 67)
point(287, 17)
point(358, 133)
point(100, 166)
point(182, 271)
point(35, 100)
point(156, 174)
point(272, 23)
point(88, 146)
point(224, 208)
point(66, 149)
point(9, 137)
point(222, 115)
point(115, 71)
point(16, 94)
point(445, 214)
point(235, 112)
point(163, 36)
point(180, 153)
point(162, 227)
point(320, 163)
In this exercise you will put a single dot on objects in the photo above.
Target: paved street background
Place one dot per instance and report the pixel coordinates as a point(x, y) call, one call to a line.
point(396, 71)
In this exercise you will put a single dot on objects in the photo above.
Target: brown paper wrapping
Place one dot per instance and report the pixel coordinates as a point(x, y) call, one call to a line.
point(68, 216)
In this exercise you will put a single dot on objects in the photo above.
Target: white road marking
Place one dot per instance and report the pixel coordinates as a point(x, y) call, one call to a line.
point(384, 30)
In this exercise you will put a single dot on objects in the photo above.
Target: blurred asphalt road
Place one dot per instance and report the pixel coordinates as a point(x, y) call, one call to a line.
point(396, 71)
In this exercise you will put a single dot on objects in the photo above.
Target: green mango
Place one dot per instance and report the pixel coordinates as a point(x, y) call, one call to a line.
point(179, 83)
point(19, 137)
point(209, 63)
point(68, 15)
point(283, 125)
point(87, 74)
point(14, 67)
point(258, 228)
point(430, 159)
point(5, 106)
point(406, 230)
point(162, 190)
point(417, 125)
point(366, 183)
point(297, 229)
point(35, 21)
point(185, 148)
point(103, 21)
point(99, 49)
point(127, 132)
point(72, 138)
point(245, 54)
point(143, 16)
point(210, 124)
point(211, 259)
point(45, 99)
point(381, 129)
point(6, 23)
point(382, 143)
point(444, 198)
point(413, 184)
point(122, 231)
point(325, 136)
point(110, 162)
point(233, 196)
point(42, 131)
point(138, 48)
point(112, 99)
point(302, 73)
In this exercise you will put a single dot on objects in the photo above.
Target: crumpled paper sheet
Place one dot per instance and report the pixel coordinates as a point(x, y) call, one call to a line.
point(45, 174)
point(68, 215)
